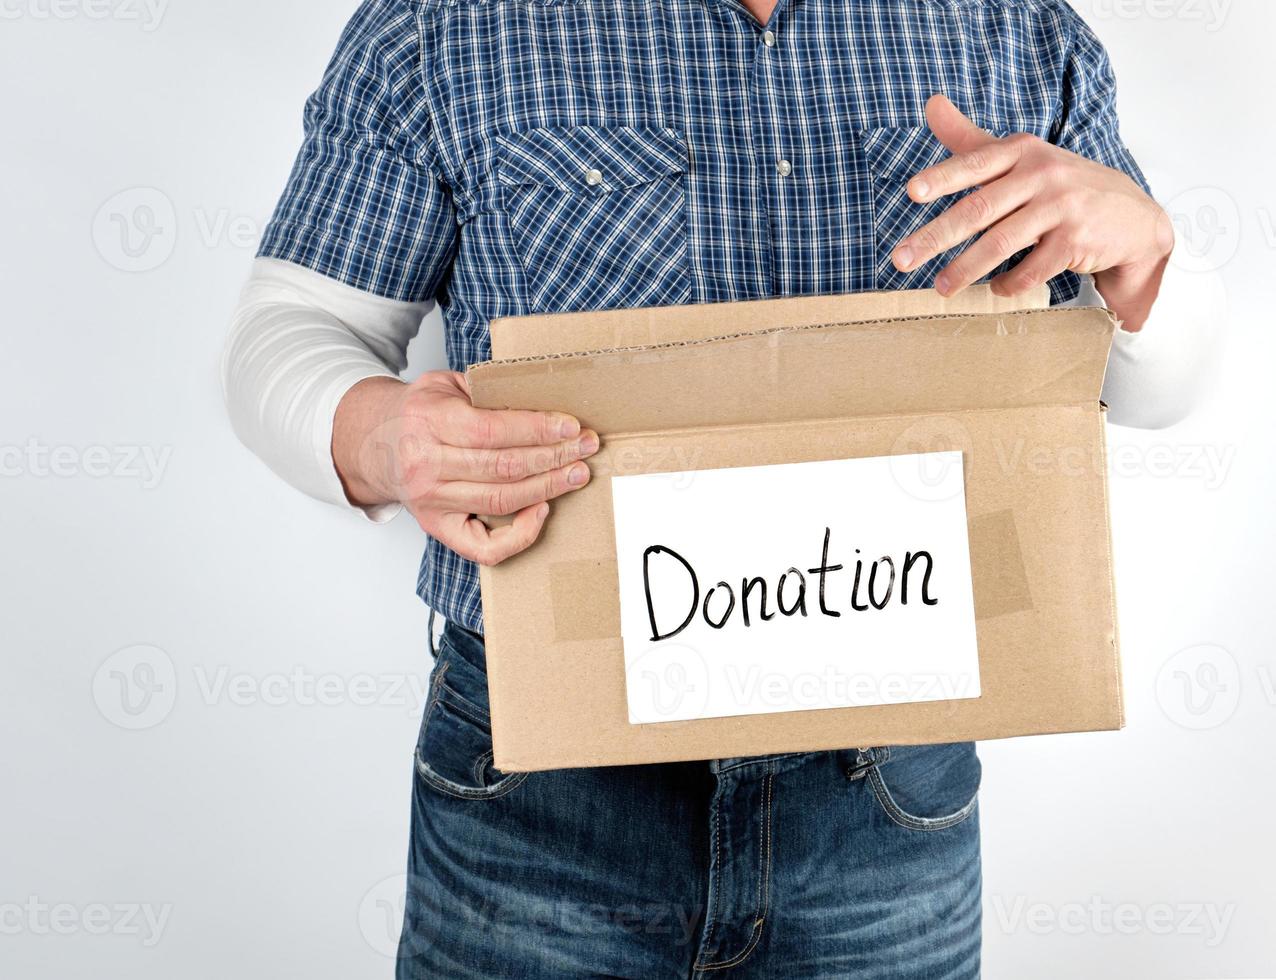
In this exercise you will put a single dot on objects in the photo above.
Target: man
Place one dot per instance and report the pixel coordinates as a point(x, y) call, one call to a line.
point(505, 157)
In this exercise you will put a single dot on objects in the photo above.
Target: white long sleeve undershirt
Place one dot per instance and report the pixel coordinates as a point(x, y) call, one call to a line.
point(299, 341)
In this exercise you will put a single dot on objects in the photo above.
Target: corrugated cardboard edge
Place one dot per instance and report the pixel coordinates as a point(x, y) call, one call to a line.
point(866, 325)
point(1107, 517)
point(624, 390)
point(550, 333)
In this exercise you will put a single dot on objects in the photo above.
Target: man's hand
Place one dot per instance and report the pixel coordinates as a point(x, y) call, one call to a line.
point(424, 445)
point(1075, 214)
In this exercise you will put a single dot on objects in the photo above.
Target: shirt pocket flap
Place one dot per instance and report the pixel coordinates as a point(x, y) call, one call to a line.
point(898, 153)
point(590, 158)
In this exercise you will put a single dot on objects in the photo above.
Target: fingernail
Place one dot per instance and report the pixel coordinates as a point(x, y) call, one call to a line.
point(941, 284)
point(588, 444)
point(542, 512)
point(569, 428)
point(920, 189)
point(904, 258)
point(578, 474)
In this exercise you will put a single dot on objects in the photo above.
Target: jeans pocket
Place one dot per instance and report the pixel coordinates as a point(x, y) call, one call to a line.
point(925, 787)
point(454, 749)
point(597, 215)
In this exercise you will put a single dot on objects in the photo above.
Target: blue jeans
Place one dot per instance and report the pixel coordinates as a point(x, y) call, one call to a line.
point(863, 863)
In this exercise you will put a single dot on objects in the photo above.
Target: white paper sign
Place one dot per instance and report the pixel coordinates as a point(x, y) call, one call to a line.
point(795, 587)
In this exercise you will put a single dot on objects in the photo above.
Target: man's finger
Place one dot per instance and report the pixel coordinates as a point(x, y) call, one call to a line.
point(498, 499)
point(470, 537)
point(965, 219)
point(978, 157)
point(952, 127)
point(513, 463)
point(479, 428)
point(999, 243)
point(973, 168)
point(1042, 264)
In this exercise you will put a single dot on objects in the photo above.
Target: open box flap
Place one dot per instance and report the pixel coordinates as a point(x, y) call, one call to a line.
point(905, 366)
point(561, 333)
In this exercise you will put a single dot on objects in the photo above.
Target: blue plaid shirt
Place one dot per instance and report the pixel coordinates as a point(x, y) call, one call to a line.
point(522, 156)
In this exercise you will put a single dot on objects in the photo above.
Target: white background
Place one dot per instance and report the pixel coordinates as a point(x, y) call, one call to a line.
point(272, 826)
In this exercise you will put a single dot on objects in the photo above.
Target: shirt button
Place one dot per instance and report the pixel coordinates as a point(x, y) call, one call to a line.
point(784, 168)
point(593, 177)
point(768, 38)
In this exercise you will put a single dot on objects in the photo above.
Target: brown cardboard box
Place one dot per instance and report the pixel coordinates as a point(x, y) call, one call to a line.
point(797, 380)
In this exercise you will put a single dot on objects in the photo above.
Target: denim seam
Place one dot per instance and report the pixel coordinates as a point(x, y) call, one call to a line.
point(906, 820)
point(764, 880)
point(717, 864)
point(477, 713)
point(764, 901)
point(480, 764)
point(436, 685)
point(465, 707)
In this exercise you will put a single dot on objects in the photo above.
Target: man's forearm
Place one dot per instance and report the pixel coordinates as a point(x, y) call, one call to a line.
point(365, 408)
point(299, 343)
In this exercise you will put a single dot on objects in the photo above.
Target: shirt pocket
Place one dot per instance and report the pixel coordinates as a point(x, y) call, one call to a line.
point(894, 156)
point(597, 215)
